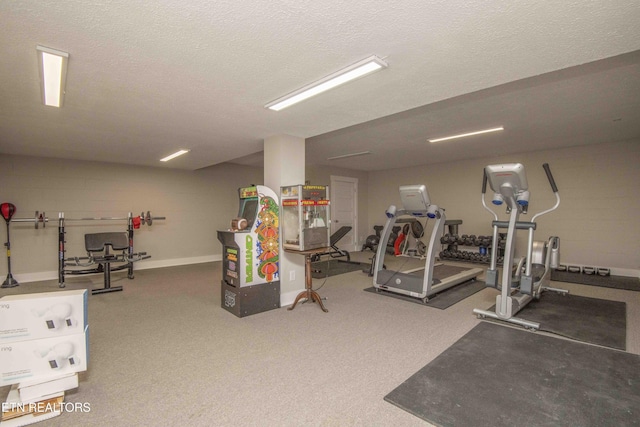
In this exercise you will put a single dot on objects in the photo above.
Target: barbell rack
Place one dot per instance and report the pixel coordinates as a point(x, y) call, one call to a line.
point(132, 223)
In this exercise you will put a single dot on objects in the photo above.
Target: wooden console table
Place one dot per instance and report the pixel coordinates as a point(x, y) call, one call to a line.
point(308, 293)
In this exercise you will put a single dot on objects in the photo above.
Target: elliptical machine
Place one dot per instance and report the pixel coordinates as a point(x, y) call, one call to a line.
point(533, 273)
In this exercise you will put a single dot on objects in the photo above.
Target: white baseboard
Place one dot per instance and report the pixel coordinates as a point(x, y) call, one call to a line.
point(174, 262)
point(36, 277)
point(141, 265)
point(285, 299)
point(289, 297)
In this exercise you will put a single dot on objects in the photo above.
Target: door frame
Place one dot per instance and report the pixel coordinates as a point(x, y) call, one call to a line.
point(354, 184)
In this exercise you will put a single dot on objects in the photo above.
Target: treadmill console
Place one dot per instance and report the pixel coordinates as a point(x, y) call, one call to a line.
point(414, 198)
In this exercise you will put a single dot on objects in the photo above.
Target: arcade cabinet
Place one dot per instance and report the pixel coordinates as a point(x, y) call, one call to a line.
point(250, 254)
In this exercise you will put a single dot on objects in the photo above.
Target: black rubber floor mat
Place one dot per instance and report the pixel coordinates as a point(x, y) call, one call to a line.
point(501, 376)
point(617, 282)
point(590, 320)
point(334, 267)
point(442, 300)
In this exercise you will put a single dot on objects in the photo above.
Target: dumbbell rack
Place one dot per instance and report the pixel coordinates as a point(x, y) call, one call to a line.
point(482, 253)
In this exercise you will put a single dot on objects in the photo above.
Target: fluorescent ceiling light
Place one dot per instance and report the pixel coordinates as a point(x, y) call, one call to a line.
point(174, 155)
point(462, 135)
point(352, 72)
point(53, 75)
point(361, 153)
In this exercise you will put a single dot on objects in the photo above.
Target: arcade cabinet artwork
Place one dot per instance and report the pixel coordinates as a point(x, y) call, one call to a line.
point(250, 252)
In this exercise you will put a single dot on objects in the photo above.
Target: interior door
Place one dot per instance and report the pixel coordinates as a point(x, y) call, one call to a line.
point(344, 210)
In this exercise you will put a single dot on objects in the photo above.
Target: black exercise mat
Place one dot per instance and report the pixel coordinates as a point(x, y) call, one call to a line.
point(617, 282)
point(500, 376)
point(590, 320)
point(333, 267)
point(442, 300)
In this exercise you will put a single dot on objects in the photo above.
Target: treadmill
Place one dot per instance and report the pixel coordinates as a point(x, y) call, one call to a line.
point(422, 283)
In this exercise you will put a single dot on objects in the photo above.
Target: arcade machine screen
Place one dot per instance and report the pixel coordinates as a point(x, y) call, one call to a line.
point(248, 205)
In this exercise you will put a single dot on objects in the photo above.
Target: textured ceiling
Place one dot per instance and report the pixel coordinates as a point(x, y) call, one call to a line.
point(146, 78)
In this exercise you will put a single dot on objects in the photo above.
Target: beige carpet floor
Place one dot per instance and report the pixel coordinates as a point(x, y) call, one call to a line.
point(164, 353)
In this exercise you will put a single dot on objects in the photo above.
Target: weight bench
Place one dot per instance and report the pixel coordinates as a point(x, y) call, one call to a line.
point(333, 241)
point(97, 246)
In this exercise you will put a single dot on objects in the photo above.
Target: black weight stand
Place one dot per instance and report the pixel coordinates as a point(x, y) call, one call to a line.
point(7, 212)
point(98, 247)
point(9, 282)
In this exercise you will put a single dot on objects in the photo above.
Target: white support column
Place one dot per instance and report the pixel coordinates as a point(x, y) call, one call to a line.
point(284, 164)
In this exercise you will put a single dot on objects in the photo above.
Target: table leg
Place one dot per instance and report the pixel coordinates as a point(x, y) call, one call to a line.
point(316, 298)
point(311, 295)
point(300, 295)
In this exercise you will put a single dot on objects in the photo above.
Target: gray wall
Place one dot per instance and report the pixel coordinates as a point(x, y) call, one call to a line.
point(597, 220)
point(196, 205)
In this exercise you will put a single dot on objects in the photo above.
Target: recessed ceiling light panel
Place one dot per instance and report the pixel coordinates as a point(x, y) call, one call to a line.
point(343, 156)
point(53, 75)
point(357, 70)
point(463, 135)
point(174, 155)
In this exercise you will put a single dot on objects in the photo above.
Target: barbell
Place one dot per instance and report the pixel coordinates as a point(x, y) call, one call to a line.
point(41, 218)
point(144, 218)
point(38, 218)
point(149, 219)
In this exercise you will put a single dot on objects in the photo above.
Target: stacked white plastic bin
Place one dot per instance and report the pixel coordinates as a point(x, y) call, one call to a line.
point(44, 343)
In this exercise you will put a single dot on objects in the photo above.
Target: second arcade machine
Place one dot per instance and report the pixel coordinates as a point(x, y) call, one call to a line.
point(250, 254)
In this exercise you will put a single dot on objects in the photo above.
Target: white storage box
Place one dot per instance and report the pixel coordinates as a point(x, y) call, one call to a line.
point(22, 361)
point(42, 315)
point(37, 389)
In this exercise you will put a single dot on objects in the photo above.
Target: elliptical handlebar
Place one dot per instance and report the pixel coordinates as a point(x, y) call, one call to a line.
point(554, 187)
point(484, 181)
point(547, 170)
point(484, 190)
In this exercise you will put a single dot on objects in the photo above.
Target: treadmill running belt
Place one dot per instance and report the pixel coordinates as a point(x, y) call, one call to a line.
point(441, 271)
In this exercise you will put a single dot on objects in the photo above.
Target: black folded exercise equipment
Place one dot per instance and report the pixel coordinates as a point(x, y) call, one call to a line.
point(335, 252)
